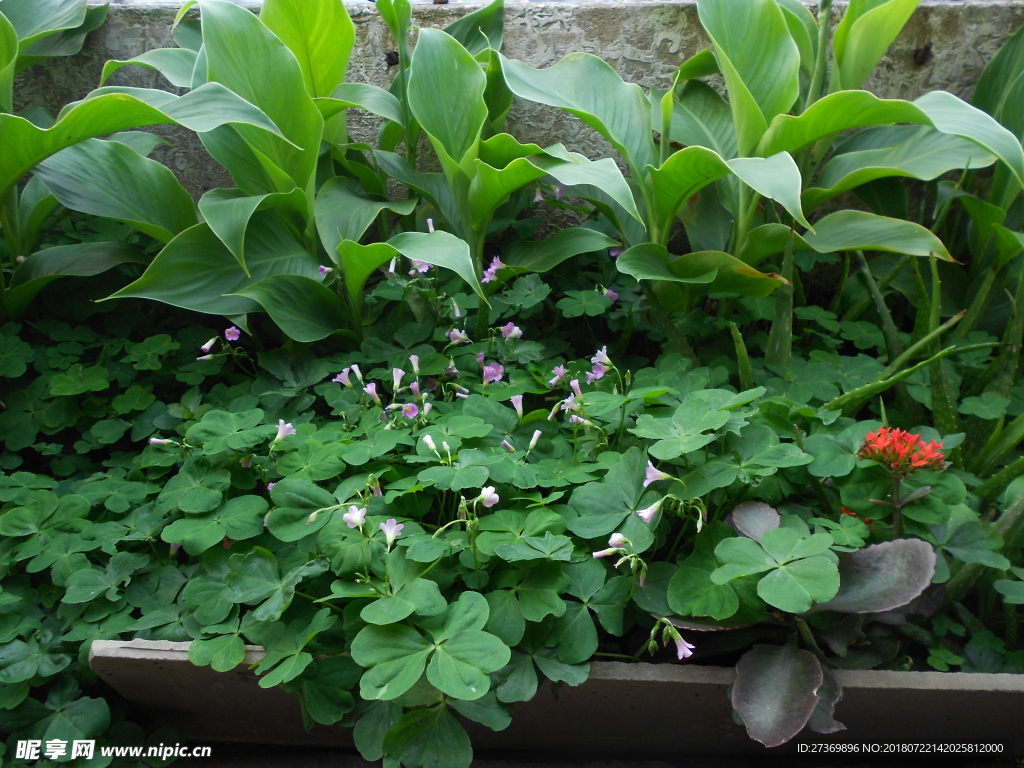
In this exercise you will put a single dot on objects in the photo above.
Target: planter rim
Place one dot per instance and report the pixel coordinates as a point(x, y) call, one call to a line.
point(639, 671)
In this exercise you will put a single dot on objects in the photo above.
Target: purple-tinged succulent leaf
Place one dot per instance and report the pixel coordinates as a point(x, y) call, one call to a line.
point(831, 693)
point(841, 636)
point(882, 577)
point(775, 692)
point(752, 519)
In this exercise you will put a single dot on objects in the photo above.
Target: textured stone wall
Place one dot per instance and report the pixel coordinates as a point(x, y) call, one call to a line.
point(644, 40)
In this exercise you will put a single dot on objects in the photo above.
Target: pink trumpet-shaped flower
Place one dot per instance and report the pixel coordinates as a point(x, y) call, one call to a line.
point(457, 336)
point(653, 474)
point(371, 390)
point(597, 372)
point(617, 540)
point(208, 345)
point(511, 331)
point(575, 385)
point(684, 650)
point(232, 334)
point(343, 378)
point(612, 295)
point(324, 270)
point(392, 530)
point(647, 514)
point(355, 517)
point(492, 271)
point(601, 357)
point(396, 378)
point(414, 361)
point(535, 439)
point(517, 403)
point(493, 372)
point(284, 429)
point(559, 377)
point(410, 410)
point(488, 497)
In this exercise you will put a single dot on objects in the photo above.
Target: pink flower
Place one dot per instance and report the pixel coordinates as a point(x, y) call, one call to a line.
point(574, 419)
point(654, 475)
point(596, 372)
point(270, 486)
point(357, 372)
point(492, 271)
point(390, 271)
point(324, 270)
point(284, 429)
point(517, 403)
point(343, 378)
point(451, 370)
point(612, 295)
point(208, 345)
point(480, 357)
point(538, 196)
point(535, 439)
point(427, 408)
point(419, 267)
point(512, 331)
point(559, 190)
point(575, 384)
point(204, 358)
point(605, 553)
point(232, 334)
point(647, 514)
point(355, 517)
point(559, 376)
point(569, 404)
point(396, 378)
point(601, 357)
point(371, 390)
point(493, 372)
point(159, 441)
point(508, 446)
point(617, 540)
point(456, 336)
point(414, 361)
point(683, 649)
point(614, 252)
point(392, 530)
point(415, 389)
point(488, 497)
point(410, 410)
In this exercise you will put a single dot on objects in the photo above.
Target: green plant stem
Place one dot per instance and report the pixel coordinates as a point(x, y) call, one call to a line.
point(808, 638)
point(858, 309)
point(814, 90)
point(779, 349)
point(919, 346)
point(1001, 479)
point(676, 339)
point(892, 340)
point(837, 297)
point(999, 444)
point(977, 306)
point(897, 512)
point(742, 358)
point(9, 223)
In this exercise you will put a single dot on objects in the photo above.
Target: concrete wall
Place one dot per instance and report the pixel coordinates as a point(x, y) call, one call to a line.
point(644, 40)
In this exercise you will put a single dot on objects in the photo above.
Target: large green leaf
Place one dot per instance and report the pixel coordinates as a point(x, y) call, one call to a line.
point(433, 186)
point(492, 187)
point(175, 64)
point(574, 170)
point(775, 177)
point(107, 178)
point(701, 118)
point(441, 249)
point(681, 176)
point(344, 211)
point(79, 260)
point(481, 29)
point(358, 262)
point(759, 59)
point(196, 270)
point(319, 33)
point(244, 55)
point(107, 110)
point(857, 230)
point(8, 60)
point(362, 96)
point(731, 276)
point(302, 307)
point(864, 35)
point(446, 95)
point(649, 261)
point(228, 211)
point(62, 42)
point(36, 19)
point(587, 87)
point(918, 153)
point(1000, 89)
point(542, 255)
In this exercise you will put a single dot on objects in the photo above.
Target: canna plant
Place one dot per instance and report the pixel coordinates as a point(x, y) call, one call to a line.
point(764, 160)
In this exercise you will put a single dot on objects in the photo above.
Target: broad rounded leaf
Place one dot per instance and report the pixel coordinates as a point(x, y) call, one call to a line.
point(858, 230)
point(775, 691)
point(882, 577)
point(304, 308)
point(752, 519)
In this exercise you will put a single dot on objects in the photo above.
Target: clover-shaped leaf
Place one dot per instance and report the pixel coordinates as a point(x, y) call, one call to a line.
point(197, 488)
point(254, 578)
point(690, 428)
point(220, 431)
point(239, 518)
point(79, 379)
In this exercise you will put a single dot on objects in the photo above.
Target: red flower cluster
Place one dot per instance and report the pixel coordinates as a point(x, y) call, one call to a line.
point(901, 452)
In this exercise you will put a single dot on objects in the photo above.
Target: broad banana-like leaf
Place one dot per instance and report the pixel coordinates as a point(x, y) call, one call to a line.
point(864, 35)
point(8, 61)
point(776, 177)
point(228, 211)
point(79, 260)
point(497, 95)
point(1000, 89)
point(481, 29)
point(446, 96)
point(759, 60)
point(37, 19)
point(766, 241)
point(918, 153)
point(858, 230)
point(544, 255)
point(804, 29)
point(573, 169)
point(732, 275)
point(108, 110)
point(175, 64)
point(649, 261)
point(587, 87)
point(358, 262)
point(304, 308)
point(244, 55)
point(857, 109)
point(432, 186)
point(681, 176)
point(397, 16)
point(35, 205)
point(362, 96)
point(142, 142)
point(64, 42)
point(108, 178)
point(491, 187)
point(197, 271)
point(344, 211)
point(319, 33)
point(701, 118)
point(441, 249)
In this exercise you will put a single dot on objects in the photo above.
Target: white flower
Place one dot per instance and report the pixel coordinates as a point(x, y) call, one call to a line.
point(535, 439)
point(617, 540)
point(647, 514)
point(415, 361)
point(396, 378)
point(517, 403)
point(602, 357)
point(488, 497)
point(355, 517)
point(392, 530)
point(209, 345)
point(284, 429)
point(429, 441)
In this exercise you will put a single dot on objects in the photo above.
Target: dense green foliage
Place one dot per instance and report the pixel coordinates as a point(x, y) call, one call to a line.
point(429, 459)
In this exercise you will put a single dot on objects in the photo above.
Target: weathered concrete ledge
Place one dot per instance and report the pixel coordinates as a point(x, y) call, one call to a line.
point(627, 710)
point(645, 40)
